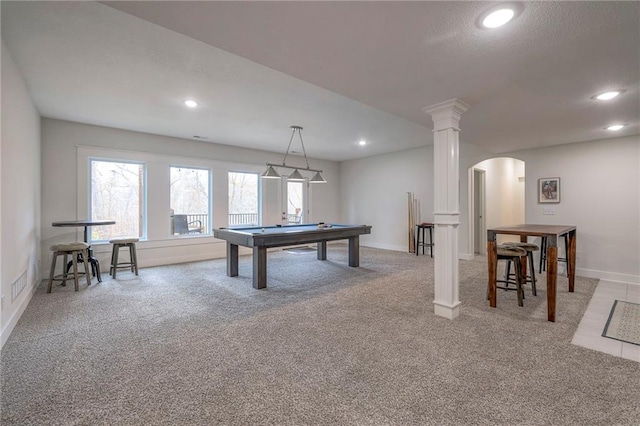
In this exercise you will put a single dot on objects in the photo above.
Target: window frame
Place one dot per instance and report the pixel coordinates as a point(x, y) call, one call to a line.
point(258, 195)
point(157, 198)
point(209, 224)
point(144, 218)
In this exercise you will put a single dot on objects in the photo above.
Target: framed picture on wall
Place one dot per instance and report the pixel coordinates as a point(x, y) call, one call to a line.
point(549, 190)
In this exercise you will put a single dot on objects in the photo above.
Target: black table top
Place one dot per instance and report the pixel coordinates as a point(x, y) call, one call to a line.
point(84, 223)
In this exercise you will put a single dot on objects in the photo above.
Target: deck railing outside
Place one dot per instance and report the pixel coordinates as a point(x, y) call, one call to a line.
point(243, 219)
point(248, 219)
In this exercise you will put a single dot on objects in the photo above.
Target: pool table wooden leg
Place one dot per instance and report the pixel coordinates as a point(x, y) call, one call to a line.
point(354, 251)
point(232, 260)
point(259, 267)
point(322, 250)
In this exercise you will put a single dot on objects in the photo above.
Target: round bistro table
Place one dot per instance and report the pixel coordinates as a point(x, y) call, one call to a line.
point(95, 265)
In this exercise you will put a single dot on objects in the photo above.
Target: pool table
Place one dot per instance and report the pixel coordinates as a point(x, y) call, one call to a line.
point(261, 238)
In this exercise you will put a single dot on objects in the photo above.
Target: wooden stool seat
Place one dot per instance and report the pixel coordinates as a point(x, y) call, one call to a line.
point(133, 258)
point(74, 249)
point(527, 246)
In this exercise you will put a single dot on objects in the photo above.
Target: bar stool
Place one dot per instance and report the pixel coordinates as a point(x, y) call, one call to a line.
point(513, 254)
point(133, 258)
point(421, 229)
point(74, 250)
point(530, 278)
point(543, 253)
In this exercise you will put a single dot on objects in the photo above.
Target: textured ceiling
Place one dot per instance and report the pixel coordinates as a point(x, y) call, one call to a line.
point(342, 70)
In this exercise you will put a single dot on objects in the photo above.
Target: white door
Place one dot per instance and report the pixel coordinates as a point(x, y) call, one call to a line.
point(295, 208)
point(479, 222)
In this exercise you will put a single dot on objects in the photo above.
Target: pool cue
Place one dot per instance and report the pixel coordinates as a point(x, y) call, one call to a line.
point(411, 235)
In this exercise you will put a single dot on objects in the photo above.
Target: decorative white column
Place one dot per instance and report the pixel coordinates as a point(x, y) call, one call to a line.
point(446, 158)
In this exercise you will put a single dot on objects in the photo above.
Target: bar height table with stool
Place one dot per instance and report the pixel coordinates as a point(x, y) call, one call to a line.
point(552, 233)
point(95, 265)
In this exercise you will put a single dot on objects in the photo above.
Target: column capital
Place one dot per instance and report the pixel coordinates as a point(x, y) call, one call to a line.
point(446, 114)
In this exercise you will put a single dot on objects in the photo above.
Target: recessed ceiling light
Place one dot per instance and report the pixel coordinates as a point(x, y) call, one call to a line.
point(608, 95)
point(615, 127)
point(362, 143)
point(498, 18)
point(191, 103)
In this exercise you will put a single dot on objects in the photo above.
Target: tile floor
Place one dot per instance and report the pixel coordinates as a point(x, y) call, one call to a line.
point(589, 332)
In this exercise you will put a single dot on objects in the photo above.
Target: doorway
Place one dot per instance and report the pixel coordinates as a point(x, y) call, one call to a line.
point(479, 213)
point(295, 204)
point(495, 198)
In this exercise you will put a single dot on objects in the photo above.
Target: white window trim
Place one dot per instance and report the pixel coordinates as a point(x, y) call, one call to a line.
point(157, 237)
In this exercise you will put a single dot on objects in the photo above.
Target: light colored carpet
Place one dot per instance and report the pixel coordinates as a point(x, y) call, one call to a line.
point(624, 322)
point(324, 344)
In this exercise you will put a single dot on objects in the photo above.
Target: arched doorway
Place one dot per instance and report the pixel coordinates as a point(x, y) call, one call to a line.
point(496, 198)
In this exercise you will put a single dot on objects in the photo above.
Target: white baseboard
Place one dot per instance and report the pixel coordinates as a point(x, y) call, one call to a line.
point(8, 328)
point(461, 256)
point(608, 276)
point(385, 246)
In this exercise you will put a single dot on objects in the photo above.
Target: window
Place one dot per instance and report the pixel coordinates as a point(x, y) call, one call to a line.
point(117, 193)
point(243, 198)
point(190, 201)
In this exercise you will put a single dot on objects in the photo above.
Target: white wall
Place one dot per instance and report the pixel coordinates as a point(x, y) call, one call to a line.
point(600, 194)
point(504, 194)
point(20, 194)
point(374, 192)
point(470, 155)
point(66, 146)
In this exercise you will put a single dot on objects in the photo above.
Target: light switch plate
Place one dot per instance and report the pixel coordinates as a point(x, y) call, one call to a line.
point(548, 211)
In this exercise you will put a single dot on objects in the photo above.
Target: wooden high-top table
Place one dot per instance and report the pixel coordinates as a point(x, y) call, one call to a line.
point(552, 232)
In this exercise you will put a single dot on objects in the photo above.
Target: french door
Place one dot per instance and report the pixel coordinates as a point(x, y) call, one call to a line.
point(295, 202)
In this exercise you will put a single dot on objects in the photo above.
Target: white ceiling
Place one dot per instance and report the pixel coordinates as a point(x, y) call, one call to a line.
point(342, 70)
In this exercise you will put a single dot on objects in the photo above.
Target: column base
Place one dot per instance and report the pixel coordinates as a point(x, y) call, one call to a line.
point(447, 311)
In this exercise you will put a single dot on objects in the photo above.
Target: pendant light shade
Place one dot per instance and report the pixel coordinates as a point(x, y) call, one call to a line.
point(317, 178)
point(296, 176)
point(271, 173)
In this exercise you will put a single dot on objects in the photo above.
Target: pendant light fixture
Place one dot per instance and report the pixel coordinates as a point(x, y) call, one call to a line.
point(271, 172)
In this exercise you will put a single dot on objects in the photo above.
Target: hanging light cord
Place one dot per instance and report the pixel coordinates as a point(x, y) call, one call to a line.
point(304, 151)
point(284, 160)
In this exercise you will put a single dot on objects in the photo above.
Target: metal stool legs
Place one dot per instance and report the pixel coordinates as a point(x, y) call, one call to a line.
point(512, 254)
point(421, 232)
point(527, 279)
point(543, 253)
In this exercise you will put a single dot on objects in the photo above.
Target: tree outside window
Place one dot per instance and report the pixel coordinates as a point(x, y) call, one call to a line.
point(295, 200)
point(117, 193)
point(190, 200)
point(243, 198)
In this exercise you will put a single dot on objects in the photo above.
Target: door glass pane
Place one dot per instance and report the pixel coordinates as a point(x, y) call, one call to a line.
point(190, 201)
point(295, 202)
point(243, 199)
point(117, 193)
